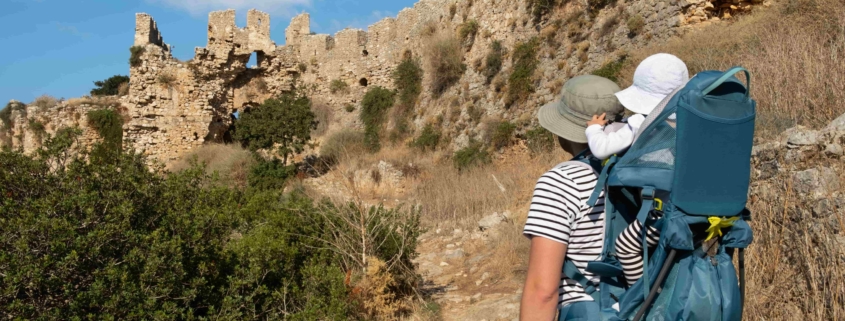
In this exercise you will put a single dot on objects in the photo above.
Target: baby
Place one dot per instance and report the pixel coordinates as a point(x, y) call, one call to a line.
point(655, 78)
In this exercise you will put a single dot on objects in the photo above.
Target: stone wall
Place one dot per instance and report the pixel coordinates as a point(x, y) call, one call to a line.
point(174, 106)
point(64, 114)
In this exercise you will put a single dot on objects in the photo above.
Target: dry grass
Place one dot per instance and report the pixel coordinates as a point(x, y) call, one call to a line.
point(97, 101)
point(795, 52)
point(324, 115)
point(450, 196)
point(794, 265)
point(231, 162)
point(44, 102)
point(444, 61)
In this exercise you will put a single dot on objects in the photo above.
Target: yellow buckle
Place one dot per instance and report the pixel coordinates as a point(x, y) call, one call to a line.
point(659, 205)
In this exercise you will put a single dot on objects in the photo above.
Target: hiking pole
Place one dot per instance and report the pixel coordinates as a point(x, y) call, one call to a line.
point(741, 281)
point(659, 282)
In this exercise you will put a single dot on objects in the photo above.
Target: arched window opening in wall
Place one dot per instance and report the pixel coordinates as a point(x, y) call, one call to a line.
point(363, 82)
point(259, 22)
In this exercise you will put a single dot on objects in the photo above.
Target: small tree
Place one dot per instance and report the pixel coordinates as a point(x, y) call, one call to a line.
point(374, 107)
point(110, 86)
point(285, 121)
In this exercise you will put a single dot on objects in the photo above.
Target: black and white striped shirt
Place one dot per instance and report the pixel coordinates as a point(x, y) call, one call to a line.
point(559, 212)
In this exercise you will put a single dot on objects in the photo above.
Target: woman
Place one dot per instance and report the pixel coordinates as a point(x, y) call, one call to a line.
point(560, 224)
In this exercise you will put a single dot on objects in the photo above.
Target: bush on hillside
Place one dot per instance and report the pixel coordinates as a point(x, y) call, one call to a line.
point(343, 144)
point(323, 115)
point(540, 8)
point(493, 61)
point(108, 123)
point(338, 86)
point(124, 241)
point(408, 78)
point(269, 174)
point(521, 80)
point(374, 108)
point(475, 154)
point(540, 140)
point(636, 24)
point(167, 80)
point(135, 53)
point(44, 102)
point(6, 113)
point(110, 86)
point(610, 69)
point(467, 32)
point(445, 61)
point(428, 139)
point(284, 123)
point(37, 128)
point(594, 6)
point(500, 133)
point(231, 163)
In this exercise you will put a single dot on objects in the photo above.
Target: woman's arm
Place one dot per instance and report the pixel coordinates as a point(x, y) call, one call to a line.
point(540, 295)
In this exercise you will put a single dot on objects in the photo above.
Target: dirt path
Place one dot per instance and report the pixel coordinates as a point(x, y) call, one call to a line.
point(459, 267)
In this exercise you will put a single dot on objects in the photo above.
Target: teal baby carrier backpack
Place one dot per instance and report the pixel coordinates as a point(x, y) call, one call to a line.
point(695, 170)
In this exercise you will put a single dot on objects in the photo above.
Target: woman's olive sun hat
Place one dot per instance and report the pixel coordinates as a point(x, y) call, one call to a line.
point(581, 98)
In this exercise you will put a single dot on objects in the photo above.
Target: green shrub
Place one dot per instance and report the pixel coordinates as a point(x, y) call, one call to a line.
point(540, 140)
point(493, 61)
point(374, 108)
point(475, 113)
point(467, 32)
point(521, 80)
point(302, 67)
point(349, 107)
point(475, 154)
point(109, 125)
point(428, 139)
point(124, 241)
point(501, 133)
point(109, 87)
point(338, 85)
point(445, 61)
point(37, 128)
point(343, 144)
point(166, 80)
point(636, 24)
point(408, 78)
point(284, 122)
point(6, 113)
point(610, 70)
point(135, 53)
point(269, 174)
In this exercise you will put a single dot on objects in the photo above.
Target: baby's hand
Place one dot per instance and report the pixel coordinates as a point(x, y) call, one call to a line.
point(598, 120)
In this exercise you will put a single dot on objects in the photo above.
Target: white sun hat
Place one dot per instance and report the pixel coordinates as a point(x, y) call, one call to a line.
point(656, 77)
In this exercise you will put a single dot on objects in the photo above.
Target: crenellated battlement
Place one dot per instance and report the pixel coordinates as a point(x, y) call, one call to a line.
point(146, 31)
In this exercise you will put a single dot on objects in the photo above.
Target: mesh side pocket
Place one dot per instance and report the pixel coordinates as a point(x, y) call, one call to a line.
point(655, 147)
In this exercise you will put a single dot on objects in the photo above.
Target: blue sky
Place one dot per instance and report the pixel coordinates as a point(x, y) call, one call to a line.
point(59, 47)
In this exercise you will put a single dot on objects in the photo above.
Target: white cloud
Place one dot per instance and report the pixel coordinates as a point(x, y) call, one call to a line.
point(203, 7)
point(71, 30)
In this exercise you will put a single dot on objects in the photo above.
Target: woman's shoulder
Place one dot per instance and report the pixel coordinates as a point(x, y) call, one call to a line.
point(572, 173)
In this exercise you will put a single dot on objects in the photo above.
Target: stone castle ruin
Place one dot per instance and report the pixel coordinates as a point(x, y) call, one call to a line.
point(174, 106)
